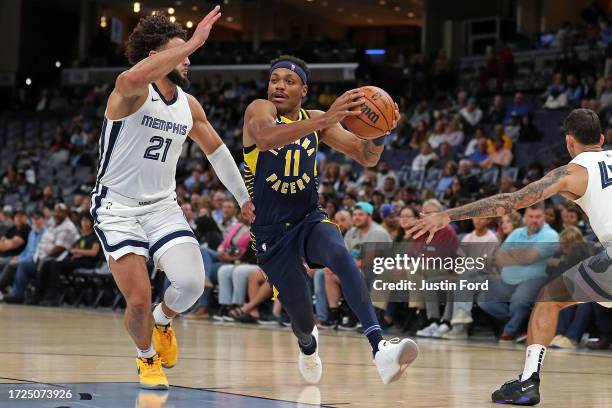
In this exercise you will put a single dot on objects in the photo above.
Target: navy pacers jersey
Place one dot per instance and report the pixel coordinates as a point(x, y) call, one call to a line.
point(283, 182)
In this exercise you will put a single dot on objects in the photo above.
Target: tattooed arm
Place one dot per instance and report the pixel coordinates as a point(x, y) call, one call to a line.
point(570, 180)
point(502, 204)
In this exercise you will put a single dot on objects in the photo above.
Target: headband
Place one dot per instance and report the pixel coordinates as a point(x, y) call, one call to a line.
point(293, 67)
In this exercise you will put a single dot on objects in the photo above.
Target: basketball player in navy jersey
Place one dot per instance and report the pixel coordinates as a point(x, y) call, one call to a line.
point(280, 144)
point(147, 119)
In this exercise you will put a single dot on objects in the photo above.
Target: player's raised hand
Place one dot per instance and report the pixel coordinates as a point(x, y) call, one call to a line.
point(429, 223)
point(248, 211)
point(202, 31)
point(343, 105)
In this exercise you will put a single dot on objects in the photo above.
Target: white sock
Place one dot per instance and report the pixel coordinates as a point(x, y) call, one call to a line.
point(534, 357)
point(149, 353)
point(160, 317)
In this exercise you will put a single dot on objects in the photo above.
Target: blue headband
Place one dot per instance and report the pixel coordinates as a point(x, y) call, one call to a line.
point(293, 67)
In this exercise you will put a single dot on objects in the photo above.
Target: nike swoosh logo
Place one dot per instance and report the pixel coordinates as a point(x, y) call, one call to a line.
point(526, 388)
point(154, 100)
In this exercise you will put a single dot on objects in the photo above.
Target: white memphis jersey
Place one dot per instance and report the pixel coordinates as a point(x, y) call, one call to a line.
point(597, 199)
point(139, 153)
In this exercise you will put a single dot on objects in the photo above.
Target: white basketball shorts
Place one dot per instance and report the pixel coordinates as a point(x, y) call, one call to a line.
point(125, 225)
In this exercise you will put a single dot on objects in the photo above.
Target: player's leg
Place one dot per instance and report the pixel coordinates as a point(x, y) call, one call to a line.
point(175, 250)
point(542, 327)
point(325, 246)
point(294, 294)
point(184, 268)
point(132, 279)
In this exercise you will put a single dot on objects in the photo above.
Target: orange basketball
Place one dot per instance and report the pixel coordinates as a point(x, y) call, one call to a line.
point(376, 116)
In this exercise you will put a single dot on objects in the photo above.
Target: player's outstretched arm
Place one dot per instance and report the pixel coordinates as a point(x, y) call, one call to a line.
point(220, 157)
point(364, 151)
point(261, 129)
point(568, 180)
point(134, 81)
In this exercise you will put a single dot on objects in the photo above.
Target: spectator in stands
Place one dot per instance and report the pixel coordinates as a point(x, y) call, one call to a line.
point(235, 244)
point(523, 258)
point(571, 216)
point(513, 128)
point(448, 176)
point(85, 253)
point(482, 242)
point(364, 230)
point(555, 96)
point(437, 135)
point(421, 113)
point(56, 239)
point(15, 239)
point(497, 111)
point(59, 150)
point(419, 135)
point(196, 177)
point(233, 284)
point(472, 114)
point(528, 132)
point(605, 100)
point(507, 224)
point(553, 218)
point(420, 162)
point(217, 199)
point(454, 135)
point(480, 154)
point(445, 156)
point(390, 219)
point(574, 90)
point(444, 244)
point(384, 172)
point(24, 259)
point(501, 156)
point(229, 216)
point(259, 291)
point(519, 107)
point(188, 213)
point(389, 188)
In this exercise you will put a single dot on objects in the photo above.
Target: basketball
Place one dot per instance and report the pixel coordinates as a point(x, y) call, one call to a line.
point(376, 117)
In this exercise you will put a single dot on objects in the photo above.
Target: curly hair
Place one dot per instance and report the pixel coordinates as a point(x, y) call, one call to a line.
point(151, 33)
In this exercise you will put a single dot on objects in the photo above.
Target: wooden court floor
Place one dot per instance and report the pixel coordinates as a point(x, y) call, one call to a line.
point(225, 365)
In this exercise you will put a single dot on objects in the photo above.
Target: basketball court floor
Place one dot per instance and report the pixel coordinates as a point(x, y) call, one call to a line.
point(88, 354)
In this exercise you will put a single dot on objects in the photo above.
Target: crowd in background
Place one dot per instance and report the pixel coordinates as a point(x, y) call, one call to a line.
point(462, 145)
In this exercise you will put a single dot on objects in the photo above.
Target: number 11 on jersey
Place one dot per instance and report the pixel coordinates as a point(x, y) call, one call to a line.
point(296, 163)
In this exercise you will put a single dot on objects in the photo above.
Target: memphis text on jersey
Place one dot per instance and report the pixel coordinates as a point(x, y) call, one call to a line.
point(279, 182)
point(167, 126)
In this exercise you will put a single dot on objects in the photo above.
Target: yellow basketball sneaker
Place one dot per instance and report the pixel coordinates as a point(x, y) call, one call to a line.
point(164, 341)
point(150, 373)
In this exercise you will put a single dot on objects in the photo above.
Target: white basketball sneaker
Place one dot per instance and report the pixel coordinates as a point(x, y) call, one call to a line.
point(393, 358)
point(310, 366)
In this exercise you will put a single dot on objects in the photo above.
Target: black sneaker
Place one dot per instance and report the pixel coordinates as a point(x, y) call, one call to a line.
point(223, 314)
point(348, 323)
point(519, 392)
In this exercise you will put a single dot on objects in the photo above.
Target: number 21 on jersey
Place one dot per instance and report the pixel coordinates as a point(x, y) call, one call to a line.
point(157, 144)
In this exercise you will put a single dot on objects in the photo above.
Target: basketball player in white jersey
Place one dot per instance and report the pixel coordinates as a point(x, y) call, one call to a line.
point(147, 119)
point(586, 180)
